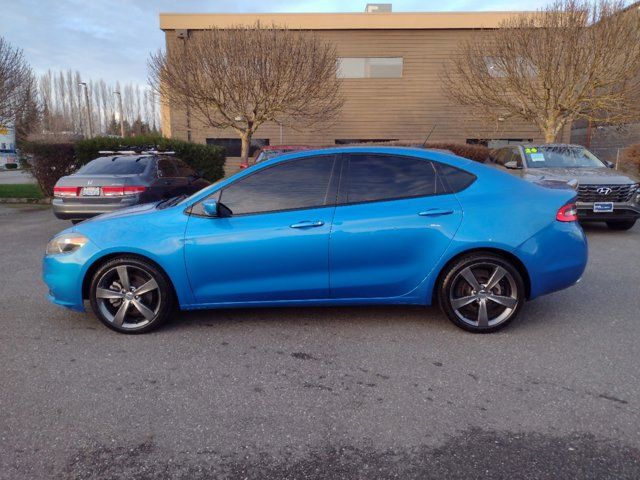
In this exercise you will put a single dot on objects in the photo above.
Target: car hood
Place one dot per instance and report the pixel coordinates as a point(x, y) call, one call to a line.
point(125, 212)
point(584, 176)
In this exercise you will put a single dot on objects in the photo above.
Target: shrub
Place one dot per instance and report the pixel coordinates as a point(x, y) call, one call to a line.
point(479, 153)
point(50, 162)
point(630, 159)
point(207, 159)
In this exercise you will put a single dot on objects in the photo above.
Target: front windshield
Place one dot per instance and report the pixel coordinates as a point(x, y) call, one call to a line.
point(557, 156)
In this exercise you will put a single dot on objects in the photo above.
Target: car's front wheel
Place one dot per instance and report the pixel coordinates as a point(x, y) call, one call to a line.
point(481, 292)
point(131, 295)
point(621, 224)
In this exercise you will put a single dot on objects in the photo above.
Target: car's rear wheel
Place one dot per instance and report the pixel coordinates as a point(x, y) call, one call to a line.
point(131, 295)
point(621, 224)
point(481, 292)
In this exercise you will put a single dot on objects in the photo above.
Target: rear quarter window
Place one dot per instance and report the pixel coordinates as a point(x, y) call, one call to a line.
point(454, 178)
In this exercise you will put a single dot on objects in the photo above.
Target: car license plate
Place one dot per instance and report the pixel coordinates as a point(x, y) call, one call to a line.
point(603, 207)
point(91, 191)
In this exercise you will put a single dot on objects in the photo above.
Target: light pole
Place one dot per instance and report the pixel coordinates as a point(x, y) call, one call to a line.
point(120, 113)
point(86, 99)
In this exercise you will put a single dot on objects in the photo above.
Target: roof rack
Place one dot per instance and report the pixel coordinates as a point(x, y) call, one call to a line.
point(137, 150)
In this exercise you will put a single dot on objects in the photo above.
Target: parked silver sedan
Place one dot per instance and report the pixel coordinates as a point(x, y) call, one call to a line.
point(121, 180)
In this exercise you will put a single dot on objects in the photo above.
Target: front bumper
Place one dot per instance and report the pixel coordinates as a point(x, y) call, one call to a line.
point(621, 211)
point(90, 207)
point(64, 274)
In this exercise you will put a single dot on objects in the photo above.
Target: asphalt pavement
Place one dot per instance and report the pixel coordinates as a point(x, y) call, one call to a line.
point(321, 393)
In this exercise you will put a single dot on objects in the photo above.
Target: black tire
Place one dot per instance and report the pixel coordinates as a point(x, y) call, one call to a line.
point(621, 225)
point(143, 312)
point(501, 303)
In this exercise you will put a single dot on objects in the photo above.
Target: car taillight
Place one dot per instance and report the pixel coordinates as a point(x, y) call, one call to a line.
point(121, 191)
point(567, 213)
point(65, 191)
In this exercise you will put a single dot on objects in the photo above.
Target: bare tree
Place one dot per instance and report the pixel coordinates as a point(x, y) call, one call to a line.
point(245, 76)
point(572, 60)
point(17, 83)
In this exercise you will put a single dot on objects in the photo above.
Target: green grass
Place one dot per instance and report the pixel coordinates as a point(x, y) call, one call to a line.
point(20, 191)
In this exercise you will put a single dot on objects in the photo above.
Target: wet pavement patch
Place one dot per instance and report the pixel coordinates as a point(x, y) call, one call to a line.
point(474, 453)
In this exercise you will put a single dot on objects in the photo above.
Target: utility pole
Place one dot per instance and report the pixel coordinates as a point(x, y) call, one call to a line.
point(86, 99)
point(120, 113)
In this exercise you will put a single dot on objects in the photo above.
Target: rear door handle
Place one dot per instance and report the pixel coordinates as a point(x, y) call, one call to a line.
point(307, 224)
point(432, 212)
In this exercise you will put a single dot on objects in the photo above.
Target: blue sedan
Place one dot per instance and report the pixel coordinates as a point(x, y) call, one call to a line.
point(340, 226)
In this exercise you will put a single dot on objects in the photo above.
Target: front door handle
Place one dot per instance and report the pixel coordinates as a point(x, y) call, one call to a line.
point(433, 212)
point(307, 224)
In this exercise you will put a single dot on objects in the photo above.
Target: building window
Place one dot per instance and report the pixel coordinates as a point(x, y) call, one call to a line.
point(233, 146)
point(369, 67)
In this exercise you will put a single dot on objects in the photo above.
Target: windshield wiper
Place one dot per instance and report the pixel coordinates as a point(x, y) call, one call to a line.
point(170, 202)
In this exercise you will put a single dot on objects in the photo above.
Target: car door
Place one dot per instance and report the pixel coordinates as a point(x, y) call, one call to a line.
point(393, 222)
point(275, 245)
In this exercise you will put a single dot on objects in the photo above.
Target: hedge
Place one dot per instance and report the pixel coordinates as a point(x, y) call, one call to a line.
point(207, 159)
point(50, 161)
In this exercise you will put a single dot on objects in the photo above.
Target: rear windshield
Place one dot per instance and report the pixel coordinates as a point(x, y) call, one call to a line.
point(115, 166)
point(561, 157)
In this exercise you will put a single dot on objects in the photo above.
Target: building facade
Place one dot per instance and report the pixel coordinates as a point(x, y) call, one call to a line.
point(391, 67)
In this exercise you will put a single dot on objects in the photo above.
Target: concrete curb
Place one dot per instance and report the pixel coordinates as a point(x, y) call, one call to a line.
point(32, 201)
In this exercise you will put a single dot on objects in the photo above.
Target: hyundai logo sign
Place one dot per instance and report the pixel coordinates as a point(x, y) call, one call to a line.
point(603, 191)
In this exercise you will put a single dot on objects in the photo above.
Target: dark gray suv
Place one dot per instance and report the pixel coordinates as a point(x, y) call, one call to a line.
point(604, 194)
point(121, 180)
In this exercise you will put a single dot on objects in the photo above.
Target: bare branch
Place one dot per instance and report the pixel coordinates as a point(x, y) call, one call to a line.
point(574, 59)
point(245, 76)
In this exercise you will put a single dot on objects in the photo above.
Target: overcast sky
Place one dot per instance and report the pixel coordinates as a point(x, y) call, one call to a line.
point(111, 39)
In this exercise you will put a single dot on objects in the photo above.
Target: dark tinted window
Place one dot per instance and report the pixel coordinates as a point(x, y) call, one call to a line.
point(115, 166)
point(378, 177)
point(184, 170)
point(296, 184)
point(166, 168)
point(456, 179)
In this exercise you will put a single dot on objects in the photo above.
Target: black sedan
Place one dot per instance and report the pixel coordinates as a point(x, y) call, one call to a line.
point(121, 180)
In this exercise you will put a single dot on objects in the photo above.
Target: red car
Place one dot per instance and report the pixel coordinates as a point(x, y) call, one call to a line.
point(265, 153)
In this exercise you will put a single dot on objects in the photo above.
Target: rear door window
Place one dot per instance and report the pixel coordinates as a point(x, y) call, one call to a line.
point(166, 168)
point(378, 177)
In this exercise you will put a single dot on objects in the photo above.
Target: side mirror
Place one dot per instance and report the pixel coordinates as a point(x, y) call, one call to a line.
point(214, 208)
point(210, 207)
point(512, 165)
point(609, 164)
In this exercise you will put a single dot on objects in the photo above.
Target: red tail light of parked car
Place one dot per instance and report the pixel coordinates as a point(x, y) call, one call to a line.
point(66, 191)
point(122, 191)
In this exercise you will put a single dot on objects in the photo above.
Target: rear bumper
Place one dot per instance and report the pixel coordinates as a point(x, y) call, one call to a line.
point(77, 211)
point(621, 211)
point(555, 257)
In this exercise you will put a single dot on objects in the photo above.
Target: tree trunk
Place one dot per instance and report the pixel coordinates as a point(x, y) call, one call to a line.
point(549, 136)
point(245, 137)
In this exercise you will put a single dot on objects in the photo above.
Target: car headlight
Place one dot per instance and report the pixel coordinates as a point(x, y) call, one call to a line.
point(66, 243)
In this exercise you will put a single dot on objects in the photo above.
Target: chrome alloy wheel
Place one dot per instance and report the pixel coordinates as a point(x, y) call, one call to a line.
point(128, 296)
point(483, 295)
